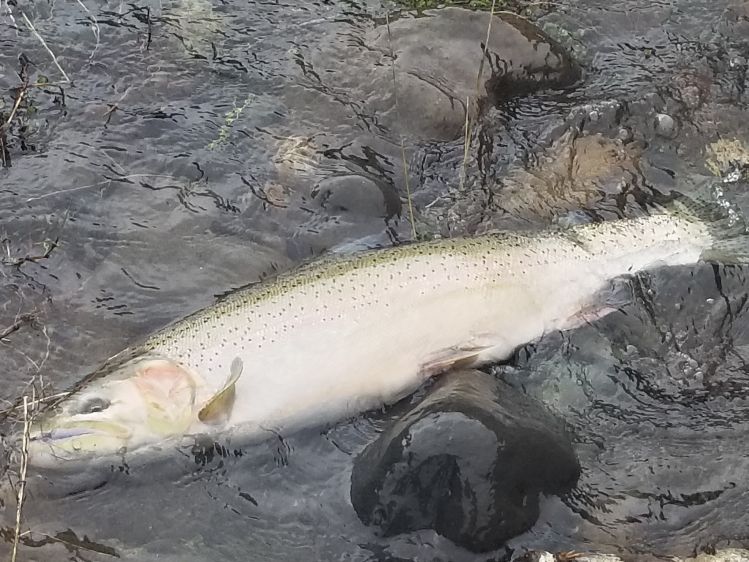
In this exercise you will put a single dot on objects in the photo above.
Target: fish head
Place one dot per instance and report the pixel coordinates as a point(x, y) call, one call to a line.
point(137, 402)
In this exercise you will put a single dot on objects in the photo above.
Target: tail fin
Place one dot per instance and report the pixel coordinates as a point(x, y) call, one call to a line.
point(727, 228)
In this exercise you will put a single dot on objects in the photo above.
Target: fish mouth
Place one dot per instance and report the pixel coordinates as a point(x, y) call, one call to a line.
point(60, 434)
point(83, 440)
point(60, 431)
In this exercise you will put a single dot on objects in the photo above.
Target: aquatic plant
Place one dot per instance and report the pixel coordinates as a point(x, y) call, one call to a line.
point(229, 118)
point(17, 111)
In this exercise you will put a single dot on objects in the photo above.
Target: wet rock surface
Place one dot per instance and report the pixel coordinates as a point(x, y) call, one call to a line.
point(353, 194)
point(468, 462)
point(576, 173)
point(579, 171)
point(438, 58)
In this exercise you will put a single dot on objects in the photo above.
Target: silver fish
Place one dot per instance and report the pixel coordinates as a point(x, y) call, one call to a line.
point(346, 334)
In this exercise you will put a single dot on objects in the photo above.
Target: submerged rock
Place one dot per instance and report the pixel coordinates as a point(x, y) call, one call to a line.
point(573, 174)
point(725, 154)
point(352, 194)
point(468, 462)
point(437, 65)
point(665, 125)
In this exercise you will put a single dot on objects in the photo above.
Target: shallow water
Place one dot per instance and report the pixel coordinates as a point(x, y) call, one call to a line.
point(185, 160)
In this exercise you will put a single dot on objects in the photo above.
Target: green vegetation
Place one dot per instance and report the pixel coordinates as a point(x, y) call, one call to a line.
point(19, 106)
point(229, 118)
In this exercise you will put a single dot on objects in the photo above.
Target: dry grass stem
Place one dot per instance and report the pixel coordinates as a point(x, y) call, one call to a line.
point(34, 404)
point(100, 184)
point(403, 148)
point(20, 320)
point(22, 474)
point(468, 123)
point(466, 143)
point(44, 44)
point(46, 356)
point(71, 190)
point(94, 28)
point(49, 246)
point(19, 99)
point(486, 48)
point(112, 107)
point(10, 15)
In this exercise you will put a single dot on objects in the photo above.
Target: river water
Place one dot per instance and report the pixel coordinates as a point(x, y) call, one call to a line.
point(183, 158)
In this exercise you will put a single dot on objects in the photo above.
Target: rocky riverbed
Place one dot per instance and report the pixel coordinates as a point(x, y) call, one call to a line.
point(155, 155)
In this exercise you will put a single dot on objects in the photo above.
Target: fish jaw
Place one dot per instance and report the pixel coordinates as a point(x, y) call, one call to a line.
point(76, 441)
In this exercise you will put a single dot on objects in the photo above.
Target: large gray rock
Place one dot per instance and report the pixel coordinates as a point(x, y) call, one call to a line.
point(468, 462)
point(438, 57)
point(349, 78)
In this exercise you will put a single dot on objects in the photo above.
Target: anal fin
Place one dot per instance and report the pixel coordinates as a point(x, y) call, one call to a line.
point(586, 316)
point(451, 358)
point(613, 298)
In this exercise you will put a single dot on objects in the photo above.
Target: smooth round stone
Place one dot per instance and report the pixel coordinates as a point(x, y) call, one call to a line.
point(665, 125)
point(468, 462)
point(737, 61)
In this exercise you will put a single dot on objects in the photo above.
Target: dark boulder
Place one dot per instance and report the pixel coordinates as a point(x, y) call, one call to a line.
point(468, 462)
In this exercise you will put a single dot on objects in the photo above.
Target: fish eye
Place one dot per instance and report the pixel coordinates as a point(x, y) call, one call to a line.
point(94, 405)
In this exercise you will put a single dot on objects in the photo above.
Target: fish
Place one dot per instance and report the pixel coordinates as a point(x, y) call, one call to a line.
point(346, 334)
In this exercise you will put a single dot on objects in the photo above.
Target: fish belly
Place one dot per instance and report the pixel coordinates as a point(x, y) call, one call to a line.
point(375, 356)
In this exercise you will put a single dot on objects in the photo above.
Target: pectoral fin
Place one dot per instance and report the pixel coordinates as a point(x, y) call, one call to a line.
point(219, 406)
